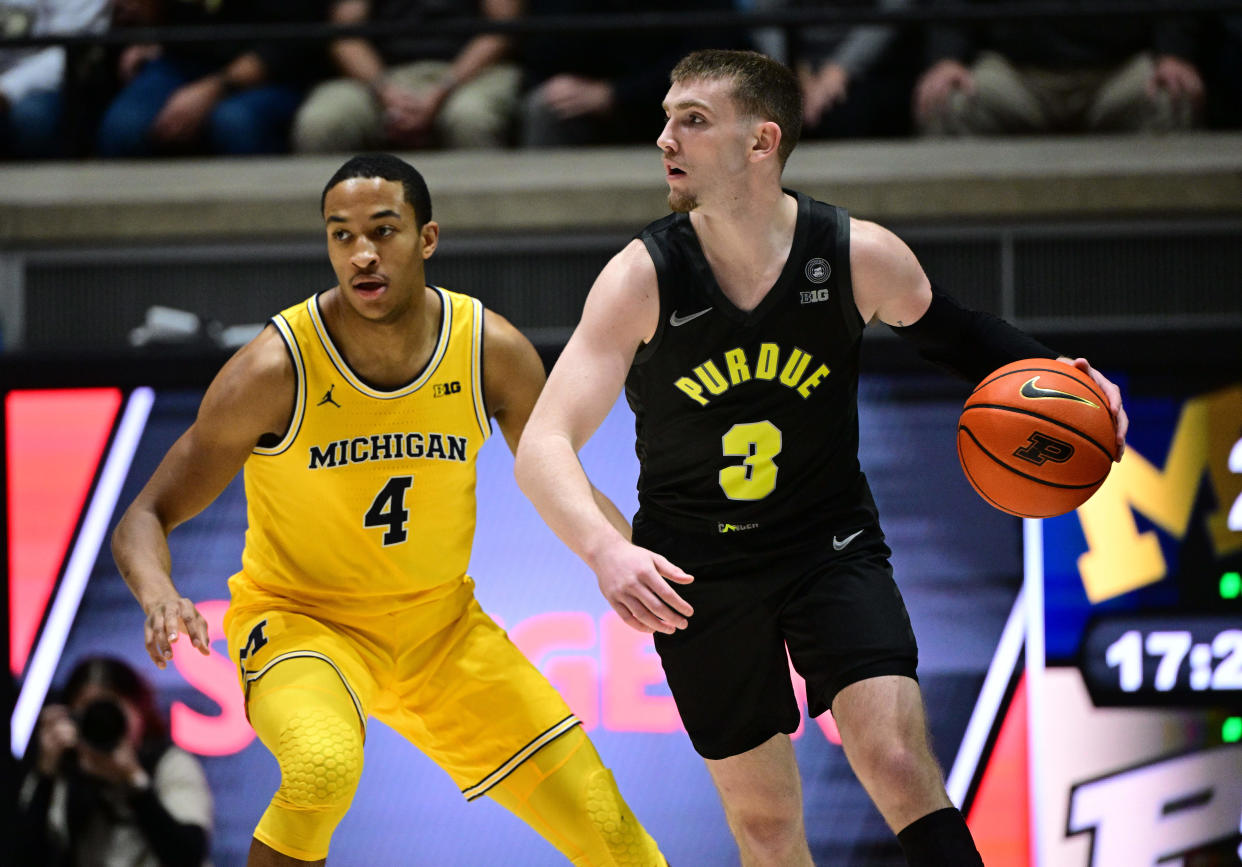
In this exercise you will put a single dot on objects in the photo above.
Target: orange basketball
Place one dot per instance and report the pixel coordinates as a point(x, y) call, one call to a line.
point(1036, 438)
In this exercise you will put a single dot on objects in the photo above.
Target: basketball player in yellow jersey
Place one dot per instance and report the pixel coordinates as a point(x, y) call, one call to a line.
point(357, 416)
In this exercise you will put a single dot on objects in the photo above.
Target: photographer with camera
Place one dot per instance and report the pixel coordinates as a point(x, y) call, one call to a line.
point(106, 785)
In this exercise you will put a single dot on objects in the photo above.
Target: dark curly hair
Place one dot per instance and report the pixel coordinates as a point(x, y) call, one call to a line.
point(390, 168)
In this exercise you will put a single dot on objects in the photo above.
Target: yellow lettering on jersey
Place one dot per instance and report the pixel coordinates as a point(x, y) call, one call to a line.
point(693, 390)
point(739, 370)
point(1119, 558)
point(795, 366)
point(708, 382)
point(709, 375)
point(768, 355)
point(813, 380)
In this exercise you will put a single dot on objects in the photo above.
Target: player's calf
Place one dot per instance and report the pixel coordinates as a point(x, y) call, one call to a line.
point(566, 794)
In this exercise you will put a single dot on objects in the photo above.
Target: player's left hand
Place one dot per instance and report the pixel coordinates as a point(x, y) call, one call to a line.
point(1112, 393)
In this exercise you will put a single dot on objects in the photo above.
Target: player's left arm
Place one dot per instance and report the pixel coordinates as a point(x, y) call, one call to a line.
point(513, 377)
point(890, 286)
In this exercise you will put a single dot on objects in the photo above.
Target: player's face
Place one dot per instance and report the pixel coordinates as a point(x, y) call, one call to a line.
point(704, 141)
point(375, 247)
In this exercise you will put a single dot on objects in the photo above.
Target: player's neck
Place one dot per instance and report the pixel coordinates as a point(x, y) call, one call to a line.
point(390, 352)
point(747, 243)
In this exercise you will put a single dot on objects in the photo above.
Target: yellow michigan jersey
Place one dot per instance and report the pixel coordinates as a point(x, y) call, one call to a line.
point(368, 501)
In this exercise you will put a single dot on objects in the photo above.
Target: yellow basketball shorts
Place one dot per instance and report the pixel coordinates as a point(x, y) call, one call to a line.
point(442, 674)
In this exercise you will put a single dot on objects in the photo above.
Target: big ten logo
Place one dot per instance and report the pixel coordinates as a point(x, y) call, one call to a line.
point(1157, 811)
point(813, 295)
point(1120, 558)
point(608, 673)
point(440, 389)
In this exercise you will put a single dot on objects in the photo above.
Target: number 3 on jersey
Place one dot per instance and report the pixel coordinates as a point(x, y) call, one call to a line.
point(388, 510)
point(757, 443)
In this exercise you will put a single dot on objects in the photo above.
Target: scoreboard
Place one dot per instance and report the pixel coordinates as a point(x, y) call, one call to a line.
point(1134, 656)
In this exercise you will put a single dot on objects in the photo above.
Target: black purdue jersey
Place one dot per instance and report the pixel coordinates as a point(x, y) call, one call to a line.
point(747, 422)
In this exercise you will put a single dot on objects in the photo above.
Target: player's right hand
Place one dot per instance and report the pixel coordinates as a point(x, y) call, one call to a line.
point(166, 620)
point(635, 583)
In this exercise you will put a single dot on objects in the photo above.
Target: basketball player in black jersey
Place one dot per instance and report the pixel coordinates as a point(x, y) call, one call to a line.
point(734, 325)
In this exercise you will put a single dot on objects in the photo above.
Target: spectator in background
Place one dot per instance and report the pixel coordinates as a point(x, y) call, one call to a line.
point(856, 80)
point(212, 96)
point(602, 88)
point(32, 99)
point(106, 786)
point(1115, 74)
point(414, 89)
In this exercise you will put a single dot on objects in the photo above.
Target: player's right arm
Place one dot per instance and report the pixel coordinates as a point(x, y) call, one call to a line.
point(252, 395)
point(621, 312)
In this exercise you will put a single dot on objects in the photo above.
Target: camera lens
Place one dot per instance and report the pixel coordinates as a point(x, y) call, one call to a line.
point(102, 725)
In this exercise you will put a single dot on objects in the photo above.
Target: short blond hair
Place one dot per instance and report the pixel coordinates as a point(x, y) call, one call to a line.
point(762, 88)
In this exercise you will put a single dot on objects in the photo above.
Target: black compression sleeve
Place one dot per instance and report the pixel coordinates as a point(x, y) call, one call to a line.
point(969, 343)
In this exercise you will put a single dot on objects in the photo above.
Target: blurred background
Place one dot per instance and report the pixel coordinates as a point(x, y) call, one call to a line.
point(1075, 167)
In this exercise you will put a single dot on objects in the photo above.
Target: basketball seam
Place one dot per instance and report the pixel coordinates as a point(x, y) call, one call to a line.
point(1017, 472)
point(1089, 384)
point(993, 379)
point(979, 490)
point(1048, 419)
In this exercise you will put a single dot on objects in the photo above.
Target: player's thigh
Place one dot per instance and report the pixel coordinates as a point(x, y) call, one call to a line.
point(845, 621)
point(728, 669)
point(261, 639)
point(473, 703)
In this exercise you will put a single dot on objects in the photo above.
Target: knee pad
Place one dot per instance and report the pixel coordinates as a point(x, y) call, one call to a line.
point(566, 794)
point(302, 713)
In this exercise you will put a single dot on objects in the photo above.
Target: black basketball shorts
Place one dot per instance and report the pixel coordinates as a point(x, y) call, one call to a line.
point(838, 612)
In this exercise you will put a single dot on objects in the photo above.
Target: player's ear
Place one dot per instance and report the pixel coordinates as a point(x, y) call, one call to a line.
point(431, 237)
point(767, 139)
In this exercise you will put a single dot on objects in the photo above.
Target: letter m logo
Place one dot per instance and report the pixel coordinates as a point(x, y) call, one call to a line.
point(254, 642)
point(1119, 558)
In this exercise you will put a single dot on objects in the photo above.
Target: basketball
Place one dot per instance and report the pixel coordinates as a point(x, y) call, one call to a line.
point(1036, 438)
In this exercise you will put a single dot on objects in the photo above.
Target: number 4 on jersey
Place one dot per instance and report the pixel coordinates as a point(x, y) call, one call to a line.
point(388, 510)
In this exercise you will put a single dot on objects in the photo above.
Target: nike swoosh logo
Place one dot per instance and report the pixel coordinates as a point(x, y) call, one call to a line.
point(839, 544)
point(676, 320)
point(1031, 390)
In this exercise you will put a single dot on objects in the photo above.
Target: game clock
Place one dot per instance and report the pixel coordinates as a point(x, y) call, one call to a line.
point(1164, 659)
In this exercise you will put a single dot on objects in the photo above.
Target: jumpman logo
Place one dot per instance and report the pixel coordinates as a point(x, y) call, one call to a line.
point(327, 398)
